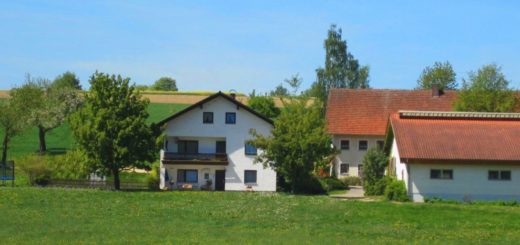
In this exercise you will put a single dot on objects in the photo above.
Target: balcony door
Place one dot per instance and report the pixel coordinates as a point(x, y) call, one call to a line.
point(188, 147)
point(221, 147)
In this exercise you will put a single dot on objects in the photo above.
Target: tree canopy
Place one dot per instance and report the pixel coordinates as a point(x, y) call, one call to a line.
point(441, 74)
point(299, 142)
point(13, 119)
point(264, 105)
point(487, 90)
point(111, 127)
point(279, 91)
point(341, 69)
point(67, 79)
point(165, 84)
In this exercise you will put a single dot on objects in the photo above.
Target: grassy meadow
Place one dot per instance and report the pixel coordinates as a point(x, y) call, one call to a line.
point(71, 216)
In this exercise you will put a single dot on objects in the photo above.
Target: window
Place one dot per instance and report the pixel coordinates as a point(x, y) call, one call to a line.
point(380, 144)
point(343, 168)
point(207, 117)
point(187, 176)
point(360, 169)
point(363, 145)
point(499, 175)
point(187, 146)
point(441, 174)
point(206, 176)
point(250, 150)
point(231, 118)
point(345, 145)
point(250, 176)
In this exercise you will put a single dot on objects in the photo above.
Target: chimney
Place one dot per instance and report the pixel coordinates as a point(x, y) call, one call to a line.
point(436, 92)
point(233, 95)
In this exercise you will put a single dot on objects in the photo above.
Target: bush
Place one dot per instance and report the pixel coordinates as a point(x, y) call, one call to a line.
point(396, 191)
point(377, 188)
point(153, 179)
point(330, 184)
point(72, 165)
point(312, 185)
point(351, 180)
point(35, 167)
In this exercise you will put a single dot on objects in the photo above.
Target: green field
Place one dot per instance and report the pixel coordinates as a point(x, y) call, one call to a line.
point(61, 139)
point(56, 216)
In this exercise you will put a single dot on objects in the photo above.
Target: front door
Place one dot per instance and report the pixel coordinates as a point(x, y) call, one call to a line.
point(220, 180)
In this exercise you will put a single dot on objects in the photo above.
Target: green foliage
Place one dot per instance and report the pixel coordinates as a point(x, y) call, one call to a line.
point(165, 84)
point(396, 191)
point(12, 123)
point(71, 165)
point(111, 127)
point(341, 70)
point(378, 187)
point(67, 80)
point(36, 169)
point(299, 142)
point(264, 105)
point(487, 90)
point(331, 184)
point(309, 185)
point(351, 181)
point(279, 91)
point(441, 74)
point(374, 164)
point(153, 180)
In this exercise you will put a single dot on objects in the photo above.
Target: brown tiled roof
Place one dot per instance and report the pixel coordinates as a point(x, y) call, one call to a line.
point(366, 111)
point(457, 136)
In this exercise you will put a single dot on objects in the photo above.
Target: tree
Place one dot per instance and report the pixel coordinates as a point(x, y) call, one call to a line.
point(294, 82)
point(111, 127)
point(299, 142)
point(12, 122)
point(67, 79)
point(165, 84)
point(374, 164)
point(48, 105)
point(487, 90)
point(264, 105)
point(279, 91)
point(341, 70)
point(441, 74)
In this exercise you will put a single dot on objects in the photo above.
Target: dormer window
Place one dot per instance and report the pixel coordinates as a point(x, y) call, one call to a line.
point(231, 118)
point(207, 117)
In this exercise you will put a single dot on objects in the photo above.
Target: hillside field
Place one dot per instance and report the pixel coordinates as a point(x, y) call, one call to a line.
point(61, 139)
point(74, 216)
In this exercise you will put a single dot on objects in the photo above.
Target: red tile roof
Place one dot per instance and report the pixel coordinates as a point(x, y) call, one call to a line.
point(366, 111)
point(470, 137)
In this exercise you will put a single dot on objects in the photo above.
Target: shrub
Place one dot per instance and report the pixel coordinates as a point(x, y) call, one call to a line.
point(374, 164)
point(377, 188)
point(72, 165)
point(35, 167)
point(351, 180)
point(153, 180)
point(330, 184)
point(396, 191)
point(311, 185)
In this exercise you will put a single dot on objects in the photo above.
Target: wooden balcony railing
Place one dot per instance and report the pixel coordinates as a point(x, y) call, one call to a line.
point(195, 157)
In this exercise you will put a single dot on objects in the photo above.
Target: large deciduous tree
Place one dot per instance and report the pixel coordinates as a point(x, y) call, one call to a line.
point(111, 127)
point(13, 118)
point(298, 144)
point(165, 84)
point(341, 69)
point(487, 90)
point(440, 74)
point(67, 80)
point(48, 105)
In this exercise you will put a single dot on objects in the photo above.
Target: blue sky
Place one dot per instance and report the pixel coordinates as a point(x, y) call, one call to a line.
point(246, 45)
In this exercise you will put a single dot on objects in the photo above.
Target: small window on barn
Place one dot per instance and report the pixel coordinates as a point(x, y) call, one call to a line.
point(207, 117)
point(343, 168)
point(250, 176)
point(441, 174)
point(345, 144)
point(363, 145)
point(499, 175)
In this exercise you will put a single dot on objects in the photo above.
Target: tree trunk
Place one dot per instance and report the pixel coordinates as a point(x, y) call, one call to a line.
point(115, 172)
point(41, 134)
point(4, 148)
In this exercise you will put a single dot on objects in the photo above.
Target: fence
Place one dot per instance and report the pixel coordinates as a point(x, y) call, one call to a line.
point(96, 184)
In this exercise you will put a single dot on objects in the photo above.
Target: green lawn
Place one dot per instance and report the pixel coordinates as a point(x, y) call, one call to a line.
point(50, 216)
point(61, 138)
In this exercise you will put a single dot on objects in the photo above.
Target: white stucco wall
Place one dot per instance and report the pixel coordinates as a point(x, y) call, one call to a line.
point(401, 169)
point(190, 126)
point(353, 157)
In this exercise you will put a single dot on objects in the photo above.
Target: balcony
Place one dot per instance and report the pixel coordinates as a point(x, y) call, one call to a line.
point(194, 158)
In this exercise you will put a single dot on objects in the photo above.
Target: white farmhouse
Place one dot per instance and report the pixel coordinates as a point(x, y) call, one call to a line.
point(456, 155)
point(206, 147)
point(357, 119)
